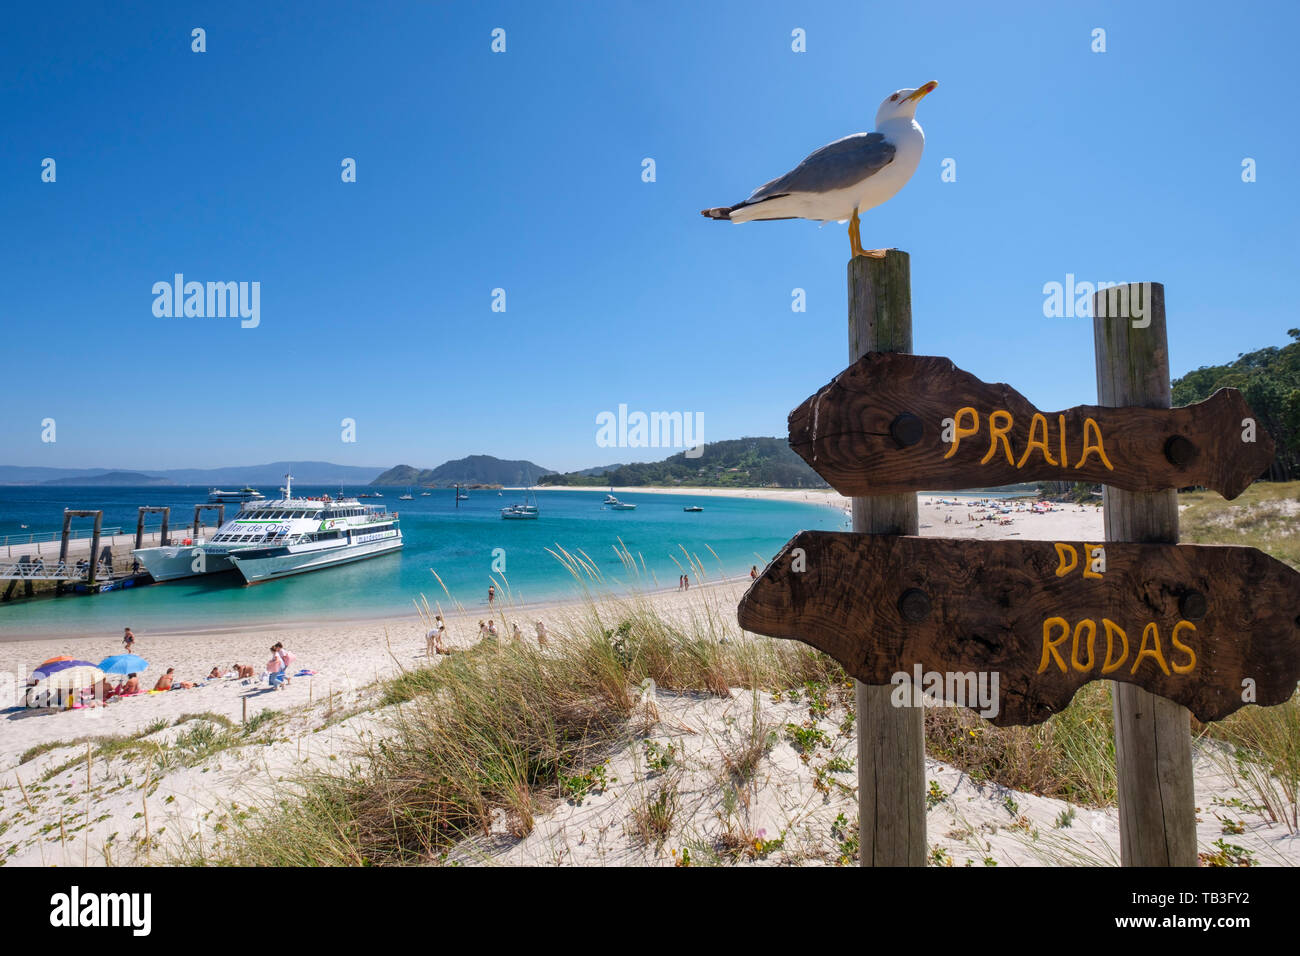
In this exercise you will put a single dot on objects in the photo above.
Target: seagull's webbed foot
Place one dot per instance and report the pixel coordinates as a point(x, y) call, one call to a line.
point(855, 240)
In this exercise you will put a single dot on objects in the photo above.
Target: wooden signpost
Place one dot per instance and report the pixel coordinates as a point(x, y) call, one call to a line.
point(1209, 627)
point(893, 422)
point(1014, 628)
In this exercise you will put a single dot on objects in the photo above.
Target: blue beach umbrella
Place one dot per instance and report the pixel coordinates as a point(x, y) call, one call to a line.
point(123, 664)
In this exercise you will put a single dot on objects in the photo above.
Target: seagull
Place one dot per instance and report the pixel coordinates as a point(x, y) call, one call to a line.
point(843, 178)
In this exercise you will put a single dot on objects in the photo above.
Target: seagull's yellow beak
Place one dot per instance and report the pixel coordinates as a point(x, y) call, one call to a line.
point(918, 93)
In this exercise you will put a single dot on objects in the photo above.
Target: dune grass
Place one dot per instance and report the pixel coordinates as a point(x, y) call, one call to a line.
point(1266, 516)
point(488, 738)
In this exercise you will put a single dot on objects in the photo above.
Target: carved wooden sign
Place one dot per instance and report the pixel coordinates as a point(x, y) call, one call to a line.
point(893, 423)
point(1014, 628)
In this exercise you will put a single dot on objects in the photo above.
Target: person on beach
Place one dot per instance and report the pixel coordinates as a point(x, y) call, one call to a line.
point(433, 638)
point(492, 632)
point(131, 687)
point(128, 640)
point(243, 670)
point(686, 582)
point(275, 675)
point(541, 634)
point(753, 571)
point(516, 634)
point(168, 683)
point(107, 693)
point(217, 672)
point(286, 658)
point(482, 630)
point(492, 593)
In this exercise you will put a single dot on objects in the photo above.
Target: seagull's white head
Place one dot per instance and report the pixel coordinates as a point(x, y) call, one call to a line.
point(902, 104)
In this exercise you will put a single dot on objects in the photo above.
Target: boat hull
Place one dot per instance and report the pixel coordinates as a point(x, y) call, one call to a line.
point(286, 561)
point(182, 561)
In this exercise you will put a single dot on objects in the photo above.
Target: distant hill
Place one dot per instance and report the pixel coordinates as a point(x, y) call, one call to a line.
point(740, 462)
point(114, 478)
point(473, 470)
point(1269, 380)
point(305, 472)
point(272, 474)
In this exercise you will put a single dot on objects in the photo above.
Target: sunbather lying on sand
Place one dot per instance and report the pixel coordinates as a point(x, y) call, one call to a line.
point(167, 682)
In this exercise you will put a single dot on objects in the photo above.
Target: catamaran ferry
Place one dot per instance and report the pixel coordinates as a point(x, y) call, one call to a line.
point(272, 539)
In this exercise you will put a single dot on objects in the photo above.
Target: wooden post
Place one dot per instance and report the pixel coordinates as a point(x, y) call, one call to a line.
point(891, 740)
point(1153, 744)
point(94, 549)
point(139, 528)
point(63, 538)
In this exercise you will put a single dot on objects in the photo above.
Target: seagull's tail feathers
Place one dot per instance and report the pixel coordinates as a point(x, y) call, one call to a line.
point(718, 212)
point(748, 210)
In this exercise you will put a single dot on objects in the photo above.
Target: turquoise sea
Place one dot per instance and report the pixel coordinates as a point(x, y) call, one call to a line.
point(457, 543)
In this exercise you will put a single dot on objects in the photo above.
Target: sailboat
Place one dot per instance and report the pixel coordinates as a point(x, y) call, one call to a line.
point(524, 511)
point(406, 497)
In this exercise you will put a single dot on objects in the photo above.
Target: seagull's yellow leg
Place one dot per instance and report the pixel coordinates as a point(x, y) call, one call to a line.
point(855, 240)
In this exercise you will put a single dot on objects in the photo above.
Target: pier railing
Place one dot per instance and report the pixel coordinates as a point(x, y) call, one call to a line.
point(46, 537)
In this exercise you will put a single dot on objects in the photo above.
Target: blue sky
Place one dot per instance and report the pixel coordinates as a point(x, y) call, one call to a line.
point(523, 171)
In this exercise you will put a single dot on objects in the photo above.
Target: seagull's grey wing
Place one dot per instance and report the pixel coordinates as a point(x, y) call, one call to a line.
point(835, 166)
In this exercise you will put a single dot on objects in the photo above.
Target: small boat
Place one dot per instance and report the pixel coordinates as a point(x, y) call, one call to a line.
point(462, 497)
point(693, 508)
point(523, 511)
point(406, 497)
point(610, 500)
point(616, 505)
point(425, 494)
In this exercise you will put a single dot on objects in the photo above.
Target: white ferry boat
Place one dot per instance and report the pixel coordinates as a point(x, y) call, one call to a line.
point(246, 493)
point(272, 539)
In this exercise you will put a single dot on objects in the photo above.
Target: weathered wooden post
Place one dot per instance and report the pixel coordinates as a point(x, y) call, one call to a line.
point(94, 547)
point(891, 740)
point(1153, 750)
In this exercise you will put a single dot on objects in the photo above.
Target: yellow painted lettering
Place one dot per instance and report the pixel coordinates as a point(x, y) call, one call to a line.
point(1180, 646)
point(1087, 561)
point(1088, 449)
point(1092, 642)
point(1062, 551)
point(958, 433)
point(1153, 651)
point(1060, 420)
point(1039, 443)
point(1050, 646)
point(1112, 663)
point(996, 432)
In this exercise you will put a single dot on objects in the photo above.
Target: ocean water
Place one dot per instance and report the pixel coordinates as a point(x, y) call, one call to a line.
point(460, 544)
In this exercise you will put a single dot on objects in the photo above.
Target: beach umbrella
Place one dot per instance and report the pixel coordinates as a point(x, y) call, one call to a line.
point(55, 660)
point(67, 676)
point(123, 664)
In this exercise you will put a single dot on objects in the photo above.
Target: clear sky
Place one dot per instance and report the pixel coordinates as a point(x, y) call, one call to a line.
point(523, 171)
